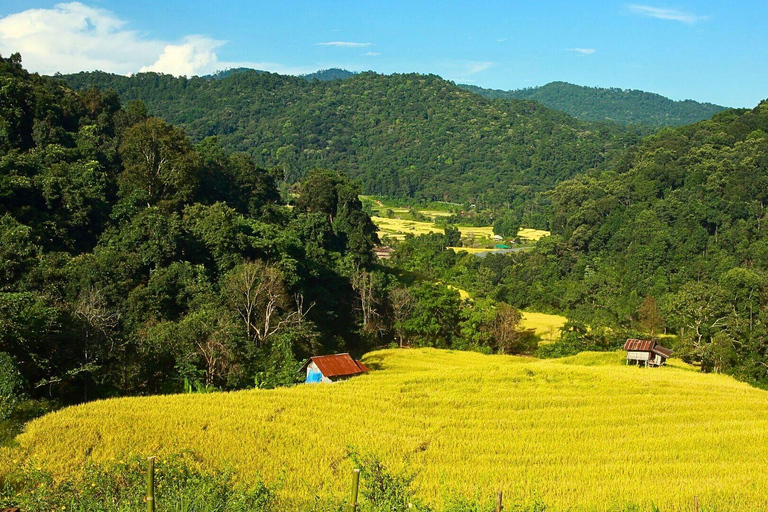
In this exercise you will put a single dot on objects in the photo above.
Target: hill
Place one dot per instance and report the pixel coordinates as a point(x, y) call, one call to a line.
point(625, 106)
point(126, 253)
point(325, 75)
point(671, 239)
point(581, 433)
point(415, 136)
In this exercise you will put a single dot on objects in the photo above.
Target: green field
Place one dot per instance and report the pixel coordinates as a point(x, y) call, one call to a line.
point(581, 433)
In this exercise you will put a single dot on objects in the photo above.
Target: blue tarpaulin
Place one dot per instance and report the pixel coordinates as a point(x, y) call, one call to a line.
point(314, 376)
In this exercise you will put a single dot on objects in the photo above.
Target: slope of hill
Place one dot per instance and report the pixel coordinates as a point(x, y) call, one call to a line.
point(672, 238)
point(582, 433)
point(402, 135)
point(325, 75)
point(625, 106)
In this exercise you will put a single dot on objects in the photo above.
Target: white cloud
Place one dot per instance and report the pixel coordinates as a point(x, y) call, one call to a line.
point(582, 51)
point(472, 67)
point(191, 57)
point(501, 39)
point(73, 37)
point(373, 54)
point(345, 44)
point(665, 14)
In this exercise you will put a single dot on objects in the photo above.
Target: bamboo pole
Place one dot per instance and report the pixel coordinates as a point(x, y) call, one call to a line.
point(150, 499)
point(355, 487)
point(696, 503)
point(499, 501)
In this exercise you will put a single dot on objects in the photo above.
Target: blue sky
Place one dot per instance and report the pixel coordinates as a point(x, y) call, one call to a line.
point(706, 50)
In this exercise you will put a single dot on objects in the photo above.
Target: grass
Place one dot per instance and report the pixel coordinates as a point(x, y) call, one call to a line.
point(546, 326)
point(582, 433)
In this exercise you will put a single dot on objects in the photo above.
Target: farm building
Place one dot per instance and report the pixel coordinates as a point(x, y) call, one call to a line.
point(332, 368)
point(646, 352)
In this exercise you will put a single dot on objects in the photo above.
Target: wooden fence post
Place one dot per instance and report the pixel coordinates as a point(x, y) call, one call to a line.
point(355, 486)
point(499, 501)
point(696, 503)
point(150, 499)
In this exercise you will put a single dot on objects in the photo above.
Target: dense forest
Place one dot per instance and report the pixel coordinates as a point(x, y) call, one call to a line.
point(625, 106)
point(134, 261)
point(673, 239)
point(412, 136)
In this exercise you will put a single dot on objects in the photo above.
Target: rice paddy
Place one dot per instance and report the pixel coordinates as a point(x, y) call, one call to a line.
point(581, 433)
point(399, 228)
point(546, 326)
point(533, 235)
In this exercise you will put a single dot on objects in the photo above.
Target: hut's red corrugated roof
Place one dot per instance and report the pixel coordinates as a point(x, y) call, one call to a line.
point(640, 345)
point(647, 346)
point(338, 365)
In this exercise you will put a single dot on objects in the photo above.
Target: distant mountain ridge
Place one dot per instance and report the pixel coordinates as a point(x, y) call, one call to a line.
point(409, 135)
point(624, 106)
point(324, 75)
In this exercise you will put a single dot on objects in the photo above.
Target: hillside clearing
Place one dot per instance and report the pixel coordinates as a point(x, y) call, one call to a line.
point(584, 433)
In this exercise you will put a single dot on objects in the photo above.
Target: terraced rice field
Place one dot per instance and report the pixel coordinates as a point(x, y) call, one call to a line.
point(533, 235)
point(581, 433)
point(399, 228)
point(546, 326)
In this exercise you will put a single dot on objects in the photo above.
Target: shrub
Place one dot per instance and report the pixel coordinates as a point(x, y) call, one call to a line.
point(121, 486)
point(10, 386)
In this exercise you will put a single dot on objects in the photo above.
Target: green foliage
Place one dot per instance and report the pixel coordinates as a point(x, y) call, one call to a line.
point(121, 486)
point(375, 128)
point(11, 386)
point(434, 321)
point(117, 235)
point(623, 106)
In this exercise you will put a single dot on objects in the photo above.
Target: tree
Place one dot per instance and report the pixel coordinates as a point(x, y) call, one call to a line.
point(698, 310)
point(509, 338)
point(452, 236)
point(402, 303)
point(10, 385)
point(364, 284)
point(98, 324)
point(159, 162)
point(435, 319)
point(649, 316)
point(256, 290)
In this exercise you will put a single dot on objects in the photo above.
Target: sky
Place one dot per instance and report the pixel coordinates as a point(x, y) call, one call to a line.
point(712, 51)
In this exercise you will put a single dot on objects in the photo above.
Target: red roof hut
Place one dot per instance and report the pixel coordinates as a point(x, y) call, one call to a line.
point(332, 368)
point(646, 352)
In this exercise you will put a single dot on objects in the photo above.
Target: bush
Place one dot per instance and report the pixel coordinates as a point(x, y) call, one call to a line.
point(10, 386)
point(120, 487)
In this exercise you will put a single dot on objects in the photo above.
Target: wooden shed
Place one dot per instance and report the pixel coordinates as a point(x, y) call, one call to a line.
point(646, 353)
point(332, 368)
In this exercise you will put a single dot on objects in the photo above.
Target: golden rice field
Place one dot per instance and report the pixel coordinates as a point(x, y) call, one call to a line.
point(546, 326)
point(398, 228)
point(533, 235)
point(582, 433)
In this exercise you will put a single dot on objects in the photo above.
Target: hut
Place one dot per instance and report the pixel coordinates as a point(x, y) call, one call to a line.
point(332, 368)
point(646, 353)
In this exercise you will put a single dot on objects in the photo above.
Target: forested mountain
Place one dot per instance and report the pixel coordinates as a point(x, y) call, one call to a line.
point(625, 106)
point(132, 260)
point(329, 74)
point(410, 135)
point(674, 237)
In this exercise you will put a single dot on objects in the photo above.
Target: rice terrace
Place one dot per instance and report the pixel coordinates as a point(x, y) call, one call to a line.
point(581, 433)
point(308, 256)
